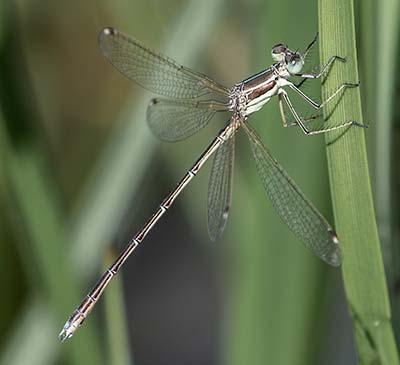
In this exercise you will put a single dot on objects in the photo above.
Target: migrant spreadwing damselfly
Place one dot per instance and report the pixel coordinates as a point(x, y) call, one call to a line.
point(192, 99)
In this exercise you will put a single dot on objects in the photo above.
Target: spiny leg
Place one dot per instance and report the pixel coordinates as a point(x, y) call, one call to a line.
point(314, 103)
point(298, 120)
point(313, 75)
point(301, 124)
point(292, 124)
point(305, 120)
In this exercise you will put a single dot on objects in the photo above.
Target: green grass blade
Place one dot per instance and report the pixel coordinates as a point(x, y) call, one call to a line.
point(116, 329)
point(363, 272)
point(380, 30)
point(387, 38)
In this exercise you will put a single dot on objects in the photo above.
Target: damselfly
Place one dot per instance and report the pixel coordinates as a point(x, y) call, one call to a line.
point(192, 99)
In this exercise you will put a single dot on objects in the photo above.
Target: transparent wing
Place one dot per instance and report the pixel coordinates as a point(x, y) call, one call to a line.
point(152, 70)
point(303, 219)
point(174, 120)
point(220, 188)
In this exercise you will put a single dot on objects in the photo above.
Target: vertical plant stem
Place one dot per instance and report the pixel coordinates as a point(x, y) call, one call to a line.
point(117, 332)
point(363, 272)
point(387, 39)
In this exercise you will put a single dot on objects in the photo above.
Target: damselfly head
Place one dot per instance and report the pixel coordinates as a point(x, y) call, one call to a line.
point(293, 60)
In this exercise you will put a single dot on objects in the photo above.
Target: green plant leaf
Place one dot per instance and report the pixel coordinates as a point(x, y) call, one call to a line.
point(363, 272)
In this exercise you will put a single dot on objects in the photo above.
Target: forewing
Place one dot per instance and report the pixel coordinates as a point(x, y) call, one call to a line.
point(220, 188)
point(174, 120)
point(152, 70)
point(303, 219)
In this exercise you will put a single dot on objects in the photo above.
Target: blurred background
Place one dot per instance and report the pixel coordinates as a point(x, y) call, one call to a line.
point(80, 173)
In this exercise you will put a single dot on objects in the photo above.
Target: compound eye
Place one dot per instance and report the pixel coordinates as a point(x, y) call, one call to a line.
point(278, 52)
point(294, 63)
